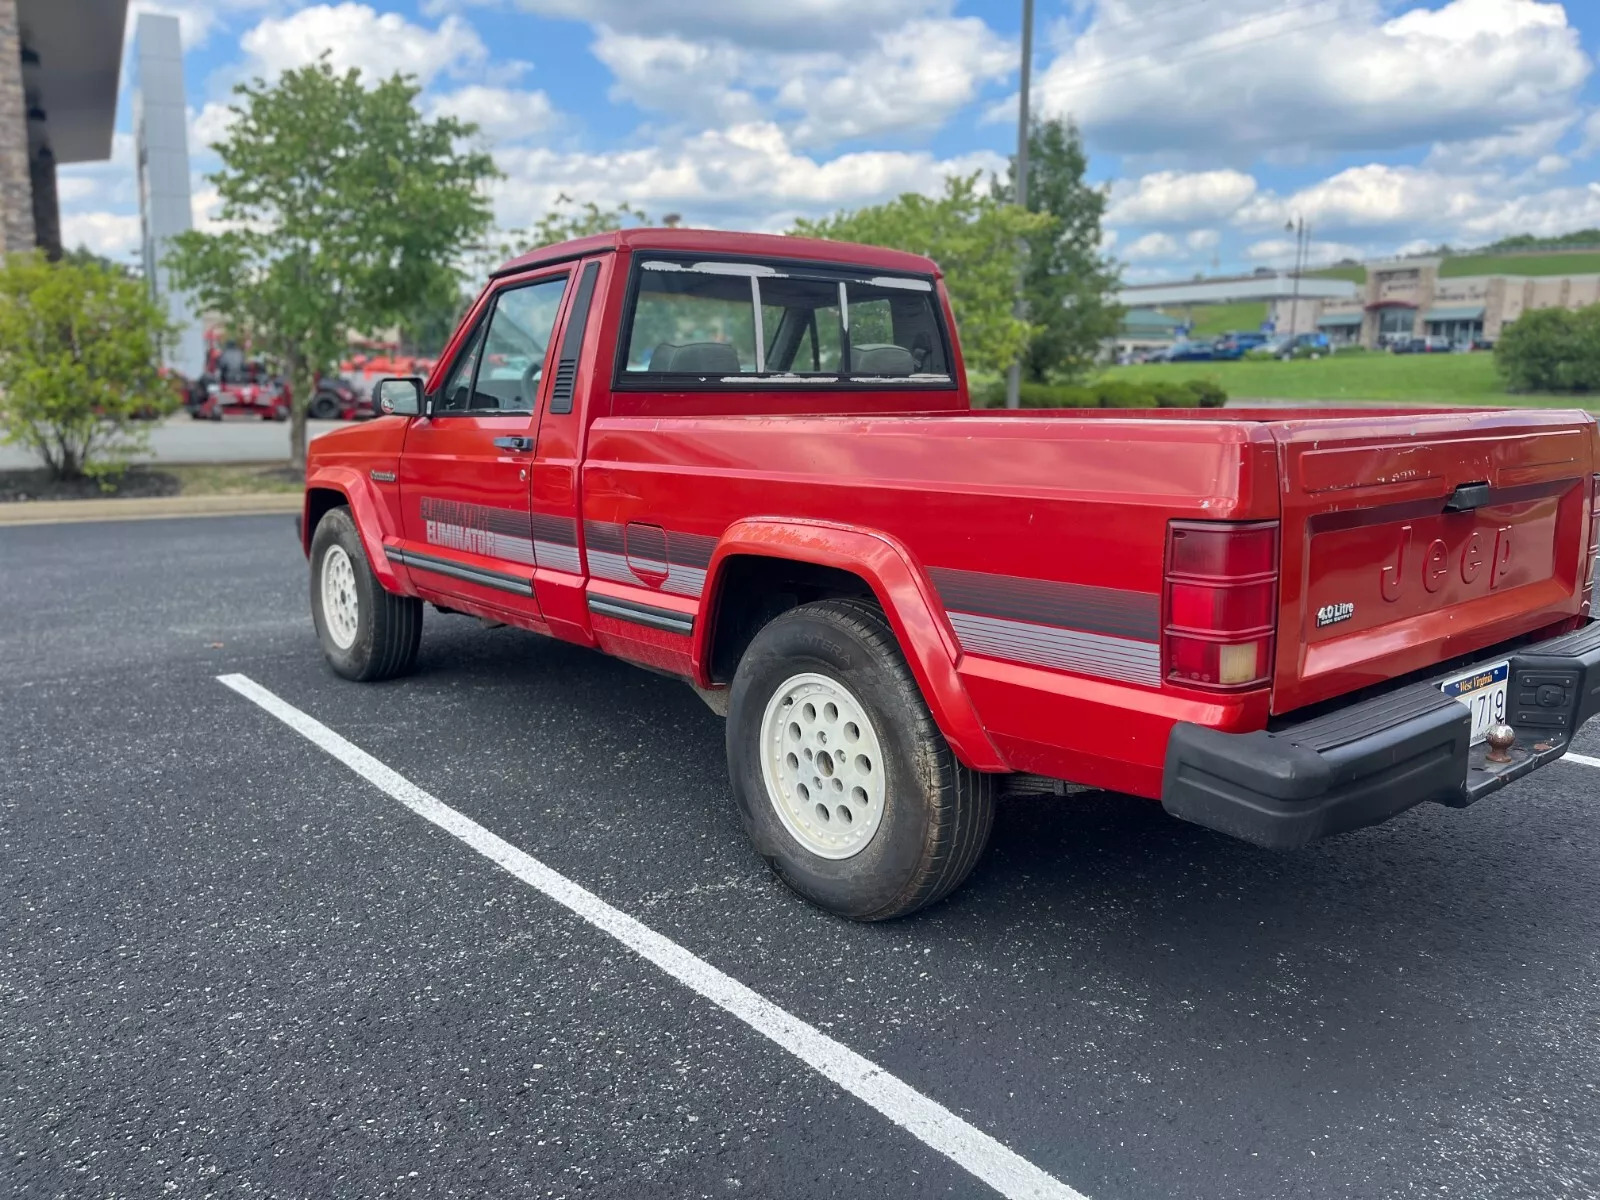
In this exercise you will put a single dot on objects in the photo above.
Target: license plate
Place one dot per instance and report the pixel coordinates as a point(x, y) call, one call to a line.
point(1483, 691)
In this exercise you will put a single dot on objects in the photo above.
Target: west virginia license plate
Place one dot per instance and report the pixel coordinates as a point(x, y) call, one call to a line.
point(1483, 690)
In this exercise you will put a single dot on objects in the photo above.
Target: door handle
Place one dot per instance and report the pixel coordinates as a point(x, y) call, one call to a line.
point(523, 444)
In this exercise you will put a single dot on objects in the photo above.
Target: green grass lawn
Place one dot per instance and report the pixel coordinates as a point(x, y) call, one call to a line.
point(1210, 320)
point(1581, 263)
point(1353, 272)
point(1413, 379)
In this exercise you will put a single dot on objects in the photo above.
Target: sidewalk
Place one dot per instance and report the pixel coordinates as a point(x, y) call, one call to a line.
point(47, 512)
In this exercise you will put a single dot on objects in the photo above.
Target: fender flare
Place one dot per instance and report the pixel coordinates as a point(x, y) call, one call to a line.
point(901, 589)
point(371, 518)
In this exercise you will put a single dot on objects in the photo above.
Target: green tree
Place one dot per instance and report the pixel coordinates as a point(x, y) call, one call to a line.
point(342, 209)
point(569, 220)
point(1067, 281)
point(975, 237)
point(80, 363)
point(1551, 350)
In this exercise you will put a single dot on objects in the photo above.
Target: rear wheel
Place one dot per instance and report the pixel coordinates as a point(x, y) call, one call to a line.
point(325, 406)
point(844, 782)
point(367, 633)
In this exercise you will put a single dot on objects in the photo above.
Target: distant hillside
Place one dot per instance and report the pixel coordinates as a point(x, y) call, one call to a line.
point(1549, 263)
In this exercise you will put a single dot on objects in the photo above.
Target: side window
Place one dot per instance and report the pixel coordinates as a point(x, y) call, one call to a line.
point(514, 353)
point(457, 393)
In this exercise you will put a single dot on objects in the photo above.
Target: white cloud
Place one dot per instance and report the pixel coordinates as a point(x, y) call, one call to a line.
point(916, 77)
point(503, 114)
point(1283, 79)
point(673, 74)
point(111, 234)
point(1201, 240)
point(1375, 196)
point(209, 126)
point(784, 25)
point(354, 35)
point(1150, 246)
point(1591, 133)
point(1522, 141)
point(1178, 197)
point(1552, 164)
point(101, 185)
point(912, 77)
point(748, 176)
point(1280, 252)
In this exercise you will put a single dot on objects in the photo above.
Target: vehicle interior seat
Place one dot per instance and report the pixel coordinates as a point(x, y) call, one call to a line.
point(881, 358)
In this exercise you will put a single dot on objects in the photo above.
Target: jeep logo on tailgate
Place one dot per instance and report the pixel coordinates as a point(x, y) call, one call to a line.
point(1470, 558)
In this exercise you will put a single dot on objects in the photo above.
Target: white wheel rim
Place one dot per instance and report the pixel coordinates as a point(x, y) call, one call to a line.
point(823, 765)
point(339, 608)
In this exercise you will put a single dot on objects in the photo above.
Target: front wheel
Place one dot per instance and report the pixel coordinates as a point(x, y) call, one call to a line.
point(845, 784)
point(325, 406)
point(367, 634)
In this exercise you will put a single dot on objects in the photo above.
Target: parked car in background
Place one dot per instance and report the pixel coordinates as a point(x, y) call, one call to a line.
point(1189, 352)
point(1420, 345)
point(336, 399)
point(1235, 345)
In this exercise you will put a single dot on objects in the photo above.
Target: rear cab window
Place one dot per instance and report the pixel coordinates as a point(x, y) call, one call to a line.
point(705, 324)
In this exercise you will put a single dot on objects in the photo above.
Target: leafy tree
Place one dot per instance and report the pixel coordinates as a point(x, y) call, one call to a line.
point(430, 323)
point(342, 208)
point(1551, 350)
point(80, 353)
point(1067, 282)
point(568, 220)
point(975, 237)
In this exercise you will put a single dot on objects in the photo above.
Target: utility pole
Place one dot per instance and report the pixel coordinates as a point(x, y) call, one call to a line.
point(1019, 307)
point(1302, 244)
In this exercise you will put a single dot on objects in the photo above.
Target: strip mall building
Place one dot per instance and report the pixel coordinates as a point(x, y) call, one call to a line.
point(1401, 298)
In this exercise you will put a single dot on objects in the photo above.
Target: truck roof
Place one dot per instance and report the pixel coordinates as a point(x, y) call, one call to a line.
point(717, 241)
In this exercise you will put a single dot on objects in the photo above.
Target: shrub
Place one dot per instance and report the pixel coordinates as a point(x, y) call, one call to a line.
point(987, 391)
point(1551, 350)
point(80, 348)
point(1208, 393)
point(1120, 393)
point(1050, 395)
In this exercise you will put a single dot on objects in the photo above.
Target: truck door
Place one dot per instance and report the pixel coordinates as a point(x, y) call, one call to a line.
point(464, 472)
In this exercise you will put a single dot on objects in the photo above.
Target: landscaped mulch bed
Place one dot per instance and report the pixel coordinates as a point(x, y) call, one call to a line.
point(144, 481)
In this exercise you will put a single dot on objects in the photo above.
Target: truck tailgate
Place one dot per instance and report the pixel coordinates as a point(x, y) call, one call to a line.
point(1396, 556)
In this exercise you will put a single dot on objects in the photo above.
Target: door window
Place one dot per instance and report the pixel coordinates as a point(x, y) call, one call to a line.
point(457, 393)
point(519, 339)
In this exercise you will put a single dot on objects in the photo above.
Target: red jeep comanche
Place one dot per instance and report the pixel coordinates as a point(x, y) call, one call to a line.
point(750, 461)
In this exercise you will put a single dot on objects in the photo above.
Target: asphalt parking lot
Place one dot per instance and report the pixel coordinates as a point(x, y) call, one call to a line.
point(231, 965)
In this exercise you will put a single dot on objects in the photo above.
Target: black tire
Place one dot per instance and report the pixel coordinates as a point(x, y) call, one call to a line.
point(388, 627)
point(324, 406)
point(937, 814)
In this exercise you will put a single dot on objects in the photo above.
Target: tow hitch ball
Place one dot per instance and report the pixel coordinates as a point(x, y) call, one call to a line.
point(1500, 738)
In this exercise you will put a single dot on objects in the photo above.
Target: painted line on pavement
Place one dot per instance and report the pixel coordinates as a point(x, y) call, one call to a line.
point(1569, 756)
point(925, 1119)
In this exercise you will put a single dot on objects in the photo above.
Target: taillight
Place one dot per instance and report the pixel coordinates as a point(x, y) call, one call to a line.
point(1594, 543)
point(1221, 603)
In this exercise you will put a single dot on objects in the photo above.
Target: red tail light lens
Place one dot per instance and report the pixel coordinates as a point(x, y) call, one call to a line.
point(1221, 603)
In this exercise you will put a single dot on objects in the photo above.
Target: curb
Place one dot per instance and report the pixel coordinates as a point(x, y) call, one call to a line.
point(52, 512)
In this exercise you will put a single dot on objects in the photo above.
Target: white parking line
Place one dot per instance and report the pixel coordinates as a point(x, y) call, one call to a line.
point(927, 1120)
point(1581, 758)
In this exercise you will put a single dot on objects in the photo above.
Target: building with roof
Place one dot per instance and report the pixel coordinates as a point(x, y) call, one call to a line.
point(1409, 297)
point(60, 62)
point(1461, 300)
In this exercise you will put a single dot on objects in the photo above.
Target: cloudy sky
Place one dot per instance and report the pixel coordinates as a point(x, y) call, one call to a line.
point(1387, 124)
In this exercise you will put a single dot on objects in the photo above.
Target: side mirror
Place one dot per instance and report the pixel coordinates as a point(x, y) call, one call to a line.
point(400, 397)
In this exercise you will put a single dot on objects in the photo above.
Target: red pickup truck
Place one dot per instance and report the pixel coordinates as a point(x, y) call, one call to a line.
point(751, 462)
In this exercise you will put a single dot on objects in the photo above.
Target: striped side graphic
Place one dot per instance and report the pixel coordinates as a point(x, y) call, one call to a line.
point(1105, 632)
point(478, 529)
point(534, 539)
point(555, 542)
point(650, 555)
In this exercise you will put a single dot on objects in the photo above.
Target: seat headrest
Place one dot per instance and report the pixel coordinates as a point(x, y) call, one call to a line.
point(661, 357)
point(704, 358)
point(881, 358)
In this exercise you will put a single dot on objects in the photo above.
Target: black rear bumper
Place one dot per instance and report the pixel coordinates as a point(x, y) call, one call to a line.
point(1364, 763)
